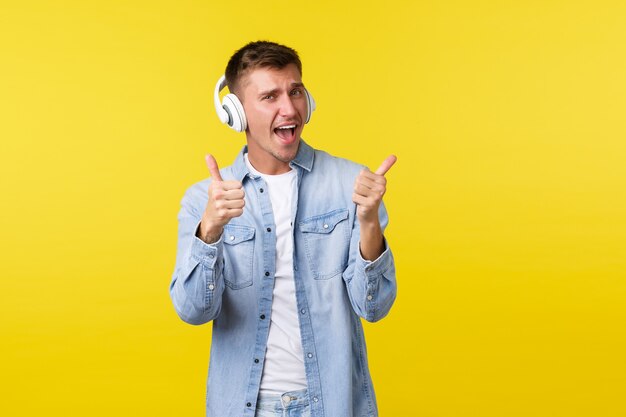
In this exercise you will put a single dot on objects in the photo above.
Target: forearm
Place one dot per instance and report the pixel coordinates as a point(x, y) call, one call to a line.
point(372, 243)
point(371, 279)
point(209, 232)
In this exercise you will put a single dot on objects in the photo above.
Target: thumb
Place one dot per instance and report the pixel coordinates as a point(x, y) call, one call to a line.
point(214, 170)
point(386, 165)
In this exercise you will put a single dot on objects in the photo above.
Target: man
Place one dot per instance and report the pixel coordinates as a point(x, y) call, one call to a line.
point(283, 251)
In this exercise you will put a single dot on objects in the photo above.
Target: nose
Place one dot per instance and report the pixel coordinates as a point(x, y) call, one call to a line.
point(287, 108)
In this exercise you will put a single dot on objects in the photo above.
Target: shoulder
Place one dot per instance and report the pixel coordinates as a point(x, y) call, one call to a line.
point(330, 164)
point(194, 197)
point(198, 189)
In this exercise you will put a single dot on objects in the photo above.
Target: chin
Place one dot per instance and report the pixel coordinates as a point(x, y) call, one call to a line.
point(287, 154)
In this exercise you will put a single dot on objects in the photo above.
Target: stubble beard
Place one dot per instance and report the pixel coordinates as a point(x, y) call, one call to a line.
point(291, 153)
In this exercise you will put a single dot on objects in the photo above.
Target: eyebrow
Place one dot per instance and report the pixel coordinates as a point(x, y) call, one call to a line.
point(275, 90)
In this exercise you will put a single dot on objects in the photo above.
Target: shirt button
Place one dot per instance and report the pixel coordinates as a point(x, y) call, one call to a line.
point(211, 255)
point(315, 399)
point(249, 404)
point(256, 361)
point(325, 226)
point(262, 316)
point(310, 355)
point(269, 229)
point(303, 311)
point(369, 297)
point(211, 286)
point(232, 237)
point(267, 274)
point(260, 190)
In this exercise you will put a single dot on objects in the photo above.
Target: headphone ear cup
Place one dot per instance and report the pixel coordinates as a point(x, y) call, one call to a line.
point(310, 105)
point(234, 108)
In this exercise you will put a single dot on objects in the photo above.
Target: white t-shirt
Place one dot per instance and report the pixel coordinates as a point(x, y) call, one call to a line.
point(284, 359)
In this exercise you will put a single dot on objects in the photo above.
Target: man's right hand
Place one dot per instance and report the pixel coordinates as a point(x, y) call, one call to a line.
point(226, 200)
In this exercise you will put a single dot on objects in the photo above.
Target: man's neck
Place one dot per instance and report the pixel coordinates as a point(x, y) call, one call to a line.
point(263, 163)
point(276, 168)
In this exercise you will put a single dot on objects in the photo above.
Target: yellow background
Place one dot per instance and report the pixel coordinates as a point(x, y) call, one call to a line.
point(507, 204)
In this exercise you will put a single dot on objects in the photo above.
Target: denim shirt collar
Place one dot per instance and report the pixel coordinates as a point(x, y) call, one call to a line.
point(304, 159)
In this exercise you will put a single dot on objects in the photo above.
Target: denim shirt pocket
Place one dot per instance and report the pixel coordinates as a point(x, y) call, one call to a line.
point(326, 241)
point(238, 256)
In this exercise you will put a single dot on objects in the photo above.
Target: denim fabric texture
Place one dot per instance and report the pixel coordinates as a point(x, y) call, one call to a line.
point(230, 283)
point(289, 404)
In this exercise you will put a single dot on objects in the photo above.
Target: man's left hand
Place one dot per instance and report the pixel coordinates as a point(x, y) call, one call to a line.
point(369, 189)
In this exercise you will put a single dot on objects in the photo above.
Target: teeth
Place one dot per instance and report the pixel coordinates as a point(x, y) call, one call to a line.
point(287, 127)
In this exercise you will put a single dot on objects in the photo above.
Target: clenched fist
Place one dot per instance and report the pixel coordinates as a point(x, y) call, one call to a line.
point(226, 200)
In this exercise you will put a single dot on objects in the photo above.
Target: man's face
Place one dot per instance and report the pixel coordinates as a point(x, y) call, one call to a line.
point(276, 107)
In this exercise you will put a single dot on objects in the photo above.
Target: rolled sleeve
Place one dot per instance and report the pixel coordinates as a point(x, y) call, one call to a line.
point(196, 288)
point(371, 284)
point(379, 292)
point(206, 254)
point(376, 268)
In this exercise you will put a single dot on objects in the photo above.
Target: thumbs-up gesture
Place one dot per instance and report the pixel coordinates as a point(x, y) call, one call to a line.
point(369, 189)
point(226, 200)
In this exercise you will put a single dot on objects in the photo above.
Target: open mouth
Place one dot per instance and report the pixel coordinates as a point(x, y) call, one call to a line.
point(286, 132)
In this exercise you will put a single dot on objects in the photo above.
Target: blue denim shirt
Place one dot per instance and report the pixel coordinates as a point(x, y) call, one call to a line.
point(231, 281)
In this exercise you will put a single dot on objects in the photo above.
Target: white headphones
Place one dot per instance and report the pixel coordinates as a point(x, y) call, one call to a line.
point(230, 110)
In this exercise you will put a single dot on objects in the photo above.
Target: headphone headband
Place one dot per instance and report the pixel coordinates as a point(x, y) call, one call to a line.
point(221, 113)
